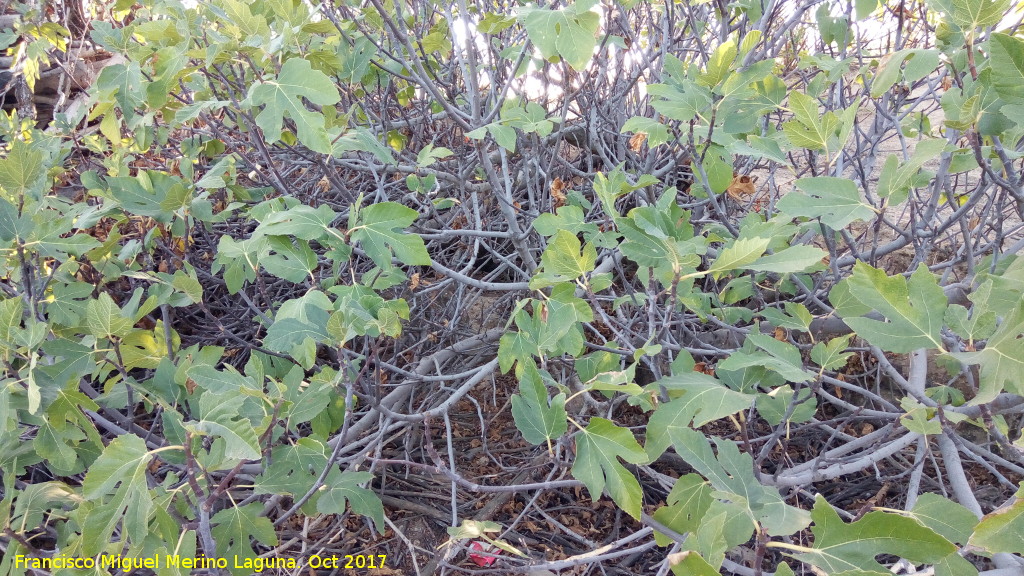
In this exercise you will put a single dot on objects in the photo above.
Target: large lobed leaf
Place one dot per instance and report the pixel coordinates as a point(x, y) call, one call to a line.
point(914, 311)
point(569, 32)
point(598, 448)
point(284, 95)
point(220, 417)
point(1002, 530)
point(22, 173)
point(117, 486)
point(840, 547)
point(1002, 360)
point(539, 417)
point(1007, 66)
point(836, 201)
point(731, 473)
point(971, 14)
point(701, 403)
point(234, 526)
point(380, 232)
point(565, 259)
point(345, 487)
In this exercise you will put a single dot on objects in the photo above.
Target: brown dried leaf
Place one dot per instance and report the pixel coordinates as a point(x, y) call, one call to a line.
point(558, 187)
point(704, 368)
point(637, 141)
point(741, 187)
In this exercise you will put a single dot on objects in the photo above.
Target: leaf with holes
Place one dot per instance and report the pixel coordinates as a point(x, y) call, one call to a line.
point(293, 468)
point(345, 487)
point(920, 63)
point(220, 418)
point(234, 527)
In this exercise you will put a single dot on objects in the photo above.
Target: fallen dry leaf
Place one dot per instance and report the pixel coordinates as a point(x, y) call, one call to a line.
point(637, 141)
point(741, 187)
point(558, 187)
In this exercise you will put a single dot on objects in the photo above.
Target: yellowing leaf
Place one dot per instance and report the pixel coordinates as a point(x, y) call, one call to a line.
point(1002, 530)
point(565, 259)
point(971, 14)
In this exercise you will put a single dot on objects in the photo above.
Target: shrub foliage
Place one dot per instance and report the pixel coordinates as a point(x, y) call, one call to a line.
point(745, 274)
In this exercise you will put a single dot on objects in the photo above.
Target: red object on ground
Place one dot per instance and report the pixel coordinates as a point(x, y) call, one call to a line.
point(483, 560)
